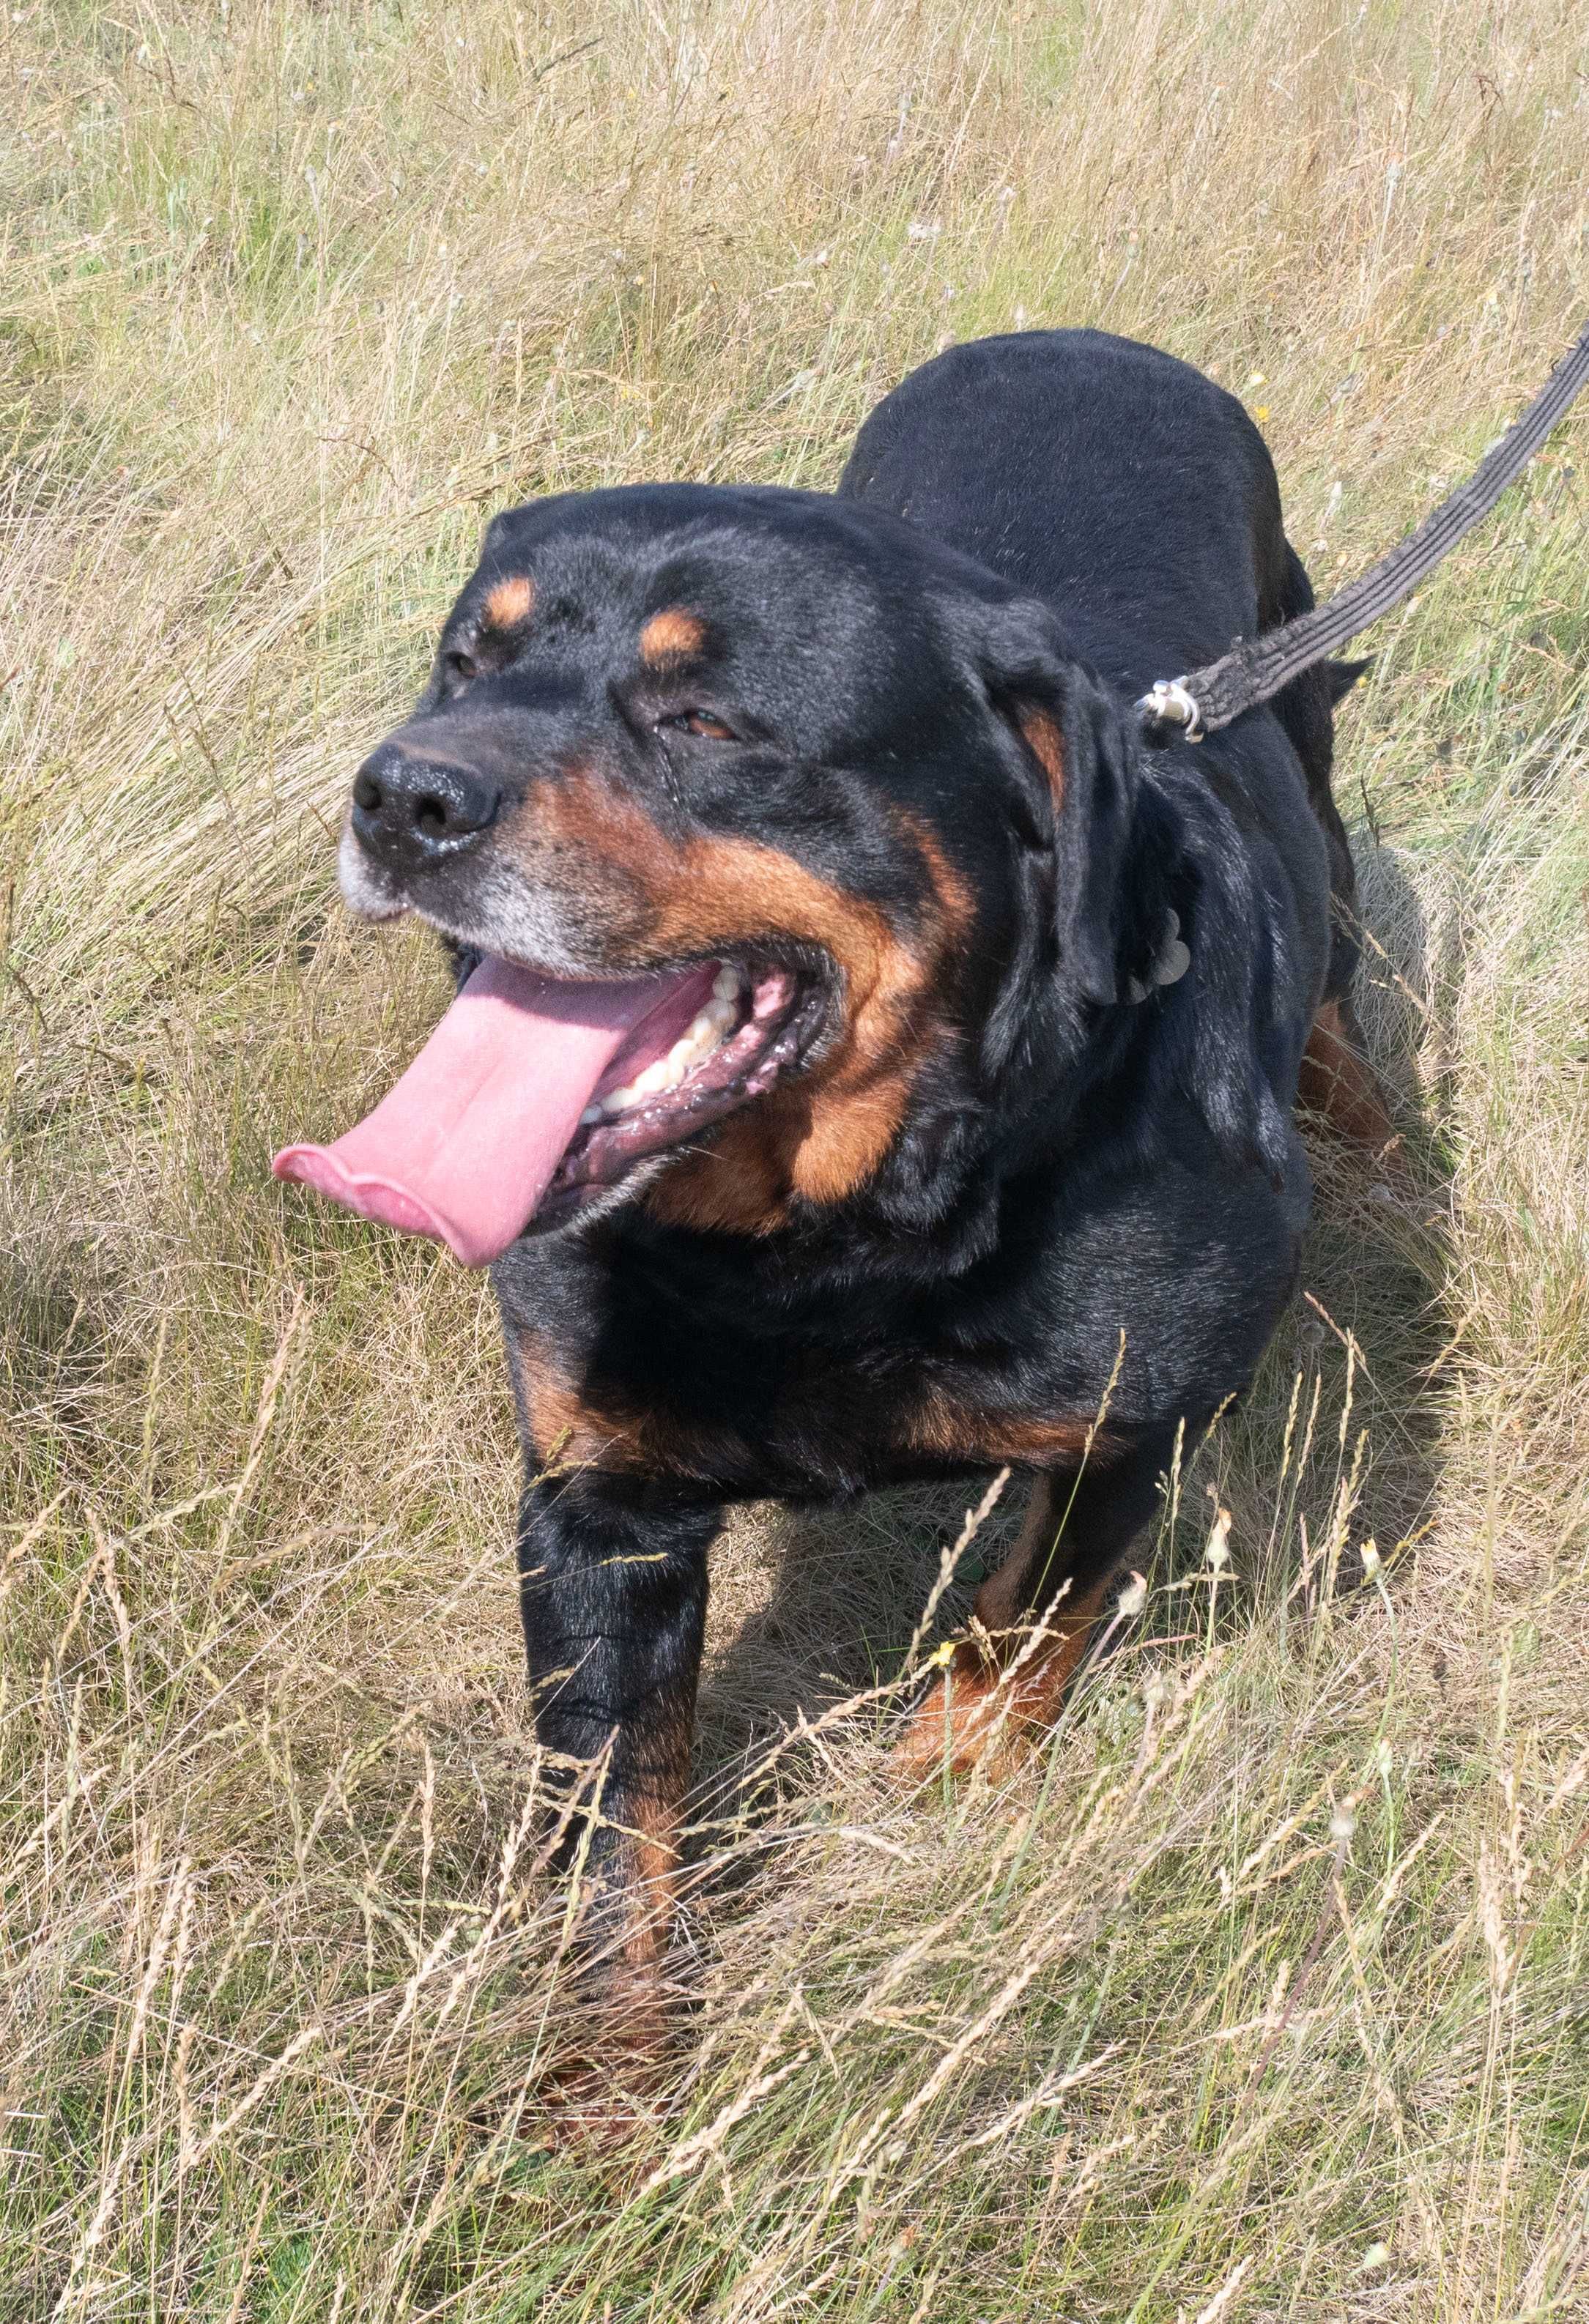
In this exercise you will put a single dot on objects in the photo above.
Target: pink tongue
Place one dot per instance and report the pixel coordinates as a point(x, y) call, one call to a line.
point(465, 1145)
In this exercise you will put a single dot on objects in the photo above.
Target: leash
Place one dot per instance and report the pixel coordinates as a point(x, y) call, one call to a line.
point(1191, 707)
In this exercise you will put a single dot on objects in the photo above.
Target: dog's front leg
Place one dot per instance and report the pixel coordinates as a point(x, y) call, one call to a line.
point(613, 1590)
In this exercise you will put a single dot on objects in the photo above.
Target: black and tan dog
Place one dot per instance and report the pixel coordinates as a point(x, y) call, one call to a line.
point(860, 1036)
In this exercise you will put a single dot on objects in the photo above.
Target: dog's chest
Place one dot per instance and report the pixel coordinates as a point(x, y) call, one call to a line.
point(753, 1406)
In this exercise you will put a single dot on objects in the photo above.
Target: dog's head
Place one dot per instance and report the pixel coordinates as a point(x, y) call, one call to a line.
point(760, 825)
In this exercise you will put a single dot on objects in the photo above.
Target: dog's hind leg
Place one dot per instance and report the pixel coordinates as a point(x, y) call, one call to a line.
point(1034, 1620)
point(1338, 1083)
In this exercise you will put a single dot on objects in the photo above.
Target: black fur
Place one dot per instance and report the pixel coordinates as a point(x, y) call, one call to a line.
point(1033, 527)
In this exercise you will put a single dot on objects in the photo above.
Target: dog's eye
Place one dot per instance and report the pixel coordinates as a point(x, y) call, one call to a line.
point(460, 665)
point(704, 722)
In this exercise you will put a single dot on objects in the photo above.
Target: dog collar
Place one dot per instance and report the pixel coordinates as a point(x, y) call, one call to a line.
point(1174, 958)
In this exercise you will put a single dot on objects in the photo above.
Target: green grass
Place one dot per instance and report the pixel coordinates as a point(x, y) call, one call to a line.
point(1260, 1992)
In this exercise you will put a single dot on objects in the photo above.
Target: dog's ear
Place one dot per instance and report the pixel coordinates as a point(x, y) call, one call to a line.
point(1083, 764)
point(1156, 903)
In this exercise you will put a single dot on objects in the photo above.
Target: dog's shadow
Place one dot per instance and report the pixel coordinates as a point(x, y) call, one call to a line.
point(813, 1606)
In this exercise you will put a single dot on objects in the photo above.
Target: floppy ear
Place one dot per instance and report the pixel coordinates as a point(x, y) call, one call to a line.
point(1086, 762)
point(1144, 863)
point(1119, 875)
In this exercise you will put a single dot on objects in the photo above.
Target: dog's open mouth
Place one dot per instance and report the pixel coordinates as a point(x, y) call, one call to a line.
point(534, 1091)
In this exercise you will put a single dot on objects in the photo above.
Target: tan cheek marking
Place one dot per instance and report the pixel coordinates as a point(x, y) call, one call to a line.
point(1043, 739)
point(578, 809)
point(821, 1136)
point(510, 602)
point(741, 1186)
point(580, 840)
point(818, 1138)
point(952, 893)
point(672, 635)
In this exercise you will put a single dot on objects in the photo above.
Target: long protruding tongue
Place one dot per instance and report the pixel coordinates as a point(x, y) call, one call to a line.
point(465, 1145)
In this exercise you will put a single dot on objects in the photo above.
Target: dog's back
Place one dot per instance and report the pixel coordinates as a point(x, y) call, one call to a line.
point(1138, 498)
point(1109, 477)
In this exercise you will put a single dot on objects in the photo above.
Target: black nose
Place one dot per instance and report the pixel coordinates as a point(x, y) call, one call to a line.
point(412, 813)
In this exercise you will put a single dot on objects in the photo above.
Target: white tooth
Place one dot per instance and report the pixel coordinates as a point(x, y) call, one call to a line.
point(703, 1033)
point(672, 1070)
point(620, 1100)
point(681, 1056)
point(655, 1077)
point(597, 1112)
point(724, 1015)
point(725, 984)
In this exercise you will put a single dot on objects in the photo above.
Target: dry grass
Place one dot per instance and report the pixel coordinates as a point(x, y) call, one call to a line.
point(1261, 1994)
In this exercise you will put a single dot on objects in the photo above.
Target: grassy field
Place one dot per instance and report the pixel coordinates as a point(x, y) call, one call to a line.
point(1263, 1991)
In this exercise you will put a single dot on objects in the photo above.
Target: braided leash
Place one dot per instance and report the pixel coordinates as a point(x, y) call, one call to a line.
point(1192, 706)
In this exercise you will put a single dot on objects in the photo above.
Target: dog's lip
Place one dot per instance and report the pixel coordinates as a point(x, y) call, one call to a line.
point(602, 1157)
point(797, 1034)
point(730, 1074)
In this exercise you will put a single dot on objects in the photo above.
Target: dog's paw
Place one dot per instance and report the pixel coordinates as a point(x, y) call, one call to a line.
point(963, 1721)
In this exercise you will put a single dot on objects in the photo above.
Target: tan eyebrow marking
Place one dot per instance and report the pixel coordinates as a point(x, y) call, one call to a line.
point(508, 603)
point(672, 635)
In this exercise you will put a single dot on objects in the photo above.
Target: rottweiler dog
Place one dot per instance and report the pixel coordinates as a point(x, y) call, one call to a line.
point(870, 1061)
